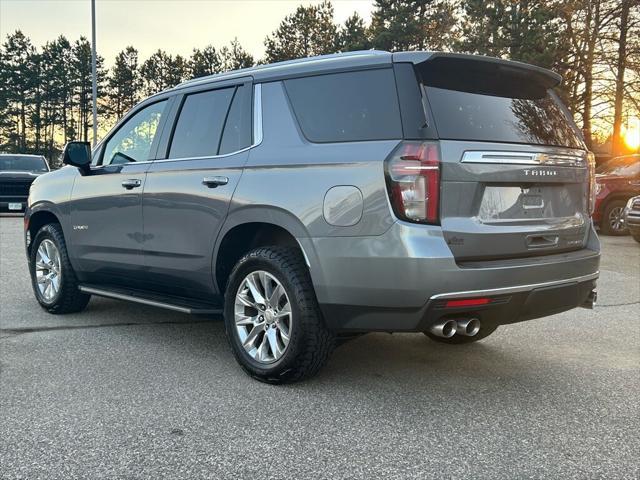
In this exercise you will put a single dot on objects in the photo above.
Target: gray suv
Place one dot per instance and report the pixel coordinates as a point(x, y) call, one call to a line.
point(314, 200)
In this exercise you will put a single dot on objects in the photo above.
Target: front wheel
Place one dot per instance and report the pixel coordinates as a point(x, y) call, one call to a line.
point(272, 318)
point(52, 277)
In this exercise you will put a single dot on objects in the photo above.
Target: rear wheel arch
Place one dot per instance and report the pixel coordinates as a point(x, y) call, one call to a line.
point(239, 239)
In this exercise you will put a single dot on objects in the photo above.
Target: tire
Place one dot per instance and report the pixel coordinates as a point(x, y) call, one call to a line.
point(309, 342)
point(636, 236)
point(67, 298)
point(608, 224)
point(484, 332)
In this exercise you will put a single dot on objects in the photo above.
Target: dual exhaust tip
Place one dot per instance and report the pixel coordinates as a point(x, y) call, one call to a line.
point(447, 328)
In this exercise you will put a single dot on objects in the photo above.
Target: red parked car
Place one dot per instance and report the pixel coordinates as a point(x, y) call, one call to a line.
point(616, 182)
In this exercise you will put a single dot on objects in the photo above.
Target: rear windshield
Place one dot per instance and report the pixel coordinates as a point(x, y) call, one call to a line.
point(474, 100)
point(472, 116)
point(17, 163)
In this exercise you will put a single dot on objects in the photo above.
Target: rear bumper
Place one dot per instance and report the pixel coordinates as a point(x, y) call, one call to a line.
point(397, 281)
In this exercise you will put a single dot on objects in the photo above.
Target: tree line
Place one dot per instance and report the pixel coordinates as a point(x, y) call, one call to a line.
point(45, 93)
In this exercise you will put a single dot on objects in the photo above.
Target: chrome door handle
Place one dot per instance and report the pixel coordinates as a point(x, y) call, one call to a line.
point(131, 183)
point(213, 182)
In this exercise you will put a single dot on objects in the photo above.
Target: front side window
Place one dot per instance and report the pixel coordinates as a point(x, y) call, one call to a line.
point(133, 140)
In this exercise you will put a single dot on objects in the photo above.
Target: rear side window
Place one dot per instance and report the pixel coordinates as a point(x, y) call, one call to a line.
point(200, 124)
point(347, 107)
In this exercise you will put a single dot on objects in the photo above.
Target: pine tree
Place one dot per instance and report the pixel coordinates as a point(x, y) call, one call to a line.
point(398, 25)
point(18, 79)
point(353, 35)
point(124, 83)
point(83, 83)
point(204, 62)
point(162, 71)
point(307, 32)
point(235, 57)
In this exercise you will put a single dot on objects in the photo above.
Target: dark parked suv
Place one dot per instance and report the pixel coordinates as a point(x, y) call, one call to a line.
point(17, 173)
point(321, 198)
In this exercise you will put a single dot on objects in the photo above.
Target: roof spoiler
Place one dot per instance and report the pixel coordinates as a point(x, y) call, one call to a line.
point(459, 61)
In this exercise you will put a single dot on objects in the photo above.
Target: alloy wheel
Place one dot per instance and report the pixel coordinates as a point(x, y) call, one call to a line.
point(48, 270)
point(263, 318)
point(615, 219)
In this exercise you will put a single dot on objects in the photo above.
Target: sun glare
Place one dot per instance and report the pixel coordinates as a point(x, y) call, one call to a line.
point(631, 134)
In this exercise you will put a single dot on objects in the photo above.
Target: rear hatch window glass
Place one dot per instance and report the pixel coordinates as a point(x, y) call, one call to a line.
point(347, 107)
point(484, 102)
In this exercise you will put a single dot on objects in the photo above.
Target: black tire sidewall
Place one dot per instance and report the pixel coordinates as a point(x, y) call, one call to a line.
point(278, 368)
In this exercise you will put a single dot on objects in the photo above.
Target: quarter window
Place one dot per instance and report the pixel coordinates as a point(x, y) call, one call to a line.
point(133, 140)
point(347, 107)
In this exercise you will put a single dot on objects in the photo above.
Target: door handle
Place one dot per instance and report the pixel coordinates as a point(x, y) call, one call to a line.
point(131, 183)
point(213, 182)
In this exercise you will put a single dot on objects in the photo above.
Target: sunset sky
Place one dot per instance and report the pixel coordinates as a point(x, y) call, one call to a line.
point(172, 25)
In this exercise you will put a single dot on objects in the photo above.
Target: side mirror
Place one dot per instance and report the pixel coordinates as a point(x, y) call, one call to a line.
point(77, 154)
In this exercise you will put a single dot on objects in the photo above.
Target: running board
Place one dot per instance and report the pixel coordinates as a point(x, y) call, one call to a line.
point(181, 305)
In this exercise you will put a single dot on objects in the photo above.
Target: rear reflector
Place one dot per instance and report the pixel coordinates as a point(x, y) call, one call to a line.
point(467, 302)
point(413, 181)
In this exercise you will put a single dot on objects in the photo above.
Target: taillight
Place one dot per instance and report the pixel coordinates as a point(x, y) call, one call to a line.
point(591, 165)
point(413, 181)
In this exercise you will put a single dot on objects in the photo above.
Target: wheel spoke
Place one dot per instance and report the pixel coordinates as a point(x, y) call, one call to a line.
point(272, 336)
point(242, 299)
point(265, 282)
point(284, 311)
point(253, 288)
point(55, 284)
point(253, 334)
point(244, 320)
point(284, 333)
point(275, 296)
point(262, 353)
point(44, 258)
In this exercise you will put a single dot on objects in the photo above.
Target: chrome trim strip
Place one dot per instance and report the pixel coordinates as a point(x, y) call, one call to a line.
point(144, 301)
point(516, 289)
point(257, 114)
point(525, 158)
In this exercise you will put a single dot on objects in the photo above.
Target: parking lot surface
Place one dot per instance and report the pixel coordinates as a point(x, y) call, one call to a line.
point(128, 391)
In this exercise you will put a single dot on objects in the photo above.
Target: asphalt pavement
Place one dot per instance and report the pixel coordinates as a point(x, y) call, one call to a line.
point(128, 391)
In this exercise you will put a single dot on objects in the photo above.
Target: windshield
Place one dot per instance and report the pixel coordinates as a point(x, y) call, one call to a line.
point(621, 166)
point(20, 163)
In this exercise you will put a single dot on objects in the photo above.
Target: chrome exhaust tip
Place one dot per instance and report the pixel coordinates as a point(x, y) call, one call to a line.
point(468, 327)
point(444, 328)
point(591, 300)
